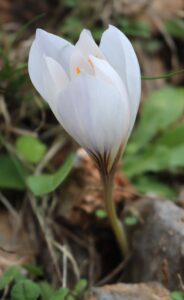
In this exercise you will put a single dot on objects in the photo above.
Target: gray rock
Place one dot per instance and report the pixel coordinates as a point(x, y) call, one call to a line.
point(158, 244)
point(151, 291)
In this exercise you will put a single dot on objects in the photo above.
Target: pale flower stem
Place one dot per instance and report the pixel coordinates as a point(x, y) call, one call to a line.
point(117, 226)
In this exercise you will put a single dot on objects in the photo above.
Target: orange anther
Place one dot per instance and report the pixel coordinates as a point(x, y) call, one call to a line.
point(90, 62)
point(77, 69)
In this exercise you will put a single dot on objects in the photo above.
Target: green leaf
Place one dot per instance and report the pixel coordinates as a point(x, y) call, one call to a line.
point(152, 46)
point(72, 27)
point(131, 220)
point(34, 270)
point(101, 213)
point(80, 287)
point(97, 33)
point(161, 109)
point(46, 290)
point(30, 148)
point(155, 158)
point(172, 137)
point(175, 27)
point(135, 28)
point(8, 276)
point(47, 183)
point(70, 3)
point(177, 295)
point(148, 184)
point(11, 173)
point(25, 290)
point(71, 297)
point(177, 157)
point(60, 294)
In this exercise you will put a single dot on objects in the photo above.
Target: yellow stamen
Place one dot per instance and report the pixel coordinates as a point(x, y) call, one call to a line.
point(77, 70)
point(91, 63)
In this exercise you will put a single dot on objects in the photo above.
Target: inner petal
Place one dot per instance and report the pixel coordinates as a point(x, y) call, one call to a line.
point(79, 64)
point(87, 45)
point(84, 49)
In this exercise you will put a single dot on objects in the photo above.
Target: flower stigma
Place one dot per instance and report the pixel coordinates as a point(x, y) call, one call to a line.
point(77, 70)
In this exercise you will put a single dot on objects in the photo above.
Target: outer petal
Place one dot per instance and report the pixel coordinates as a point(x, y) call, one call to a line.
point(49, 43)
point(95, 115)
point(44, 44)
point(47, 75)
point(120, 54)
point(54, 81)
point(35, 68)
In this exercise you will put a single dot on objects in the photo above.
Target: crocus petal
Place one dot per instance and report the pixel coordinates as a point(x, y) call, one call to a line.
point(35, 68)
point(54, 81)
point(46, 74)
point(87, 45)
point(64, 57)
point(104, 71)
point(78, 64)
point(49, 43)
point(120, 54)
point(44, 44)
point(95, 115)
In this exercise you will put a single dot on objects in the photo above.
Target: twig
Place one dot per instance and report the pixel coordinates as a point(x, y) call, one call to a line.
point(50, 154)
point(115, 272)
point(48, 239)
point(181, 283)
point(4, 111)
point(64, 250)
point(73, 237)
point(65, 267)
point(19, 131)
point(9, 207)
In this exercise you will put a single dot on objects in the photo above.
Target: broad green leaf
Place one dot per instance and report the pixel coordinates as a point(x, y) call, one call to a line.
point(148, 184)
point(25, 290)
point(60, 294)
point(46, 290)
point(172, 137)
point(12, 173)
point(155, 158)
point(177, 157)
point(8, 276)
point(177, 295)
point(160, 110)
point(46, 183)
point(30, 148)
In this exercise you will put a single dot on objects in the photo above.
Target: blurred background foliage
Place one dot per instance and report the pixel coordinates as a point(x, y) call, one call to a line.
point(155, 154)
point(36, 155)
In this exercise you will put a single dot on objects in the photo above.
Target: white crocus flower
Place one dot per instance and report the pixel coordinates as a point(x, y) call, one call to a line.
point(93, 91)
